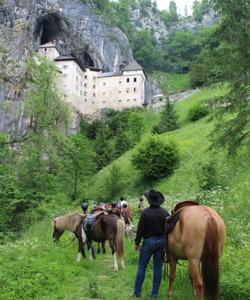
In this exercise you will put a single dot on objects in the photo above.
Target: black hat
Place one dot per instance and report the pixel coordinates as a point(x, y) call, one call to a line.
point(154, 198)
point(84, 206)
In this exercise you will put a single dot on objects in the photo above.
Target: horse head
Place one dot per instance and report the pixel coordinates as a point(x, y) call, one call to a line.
point(57, 232)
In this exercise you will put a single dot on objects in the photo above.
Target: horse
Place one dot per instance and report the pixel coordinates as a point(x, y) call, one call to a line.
point(107, 227)
point(198, 236)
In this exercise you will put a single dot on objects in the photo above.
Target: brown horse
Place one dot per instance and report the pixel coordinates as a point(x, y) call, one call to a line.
point(198, 236)
point(107, 227)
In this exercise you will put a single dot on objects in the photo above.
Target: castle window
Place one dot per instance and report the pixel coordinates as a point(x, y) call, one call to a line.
point(85, 76)
point(103, 93)
point(134, 99)
point(104, 83)
point(85, 84)
point(134, 89)
point(93, 102)
point(45, 49)
point(85, 93)
point(85, 100)
point(93, 86)
point(127, 79)
point(120, 100)
point(127, 90)
point(103, 101)
point(127, 100)
point(120, 81)
point(135, 79)
point(65, 66)
point(120, 92)
point(65, 75)
point(93, 94)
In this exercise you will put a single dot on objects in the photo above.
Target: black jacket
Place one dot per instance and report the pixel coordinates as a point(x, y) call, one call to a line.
point(151, 223)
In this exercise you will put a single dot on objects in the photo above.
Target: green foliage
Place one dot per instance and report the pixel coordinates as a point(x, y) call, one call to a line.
point(168, 119)
point(122, 143)
point(103, 148)
point(78, 162)
point(200, 8)
point(114, 183)
point(197, 75)
point(207, 176)
point(197, 112)
point(156, 159)
point(231, 57)
point(135, 127)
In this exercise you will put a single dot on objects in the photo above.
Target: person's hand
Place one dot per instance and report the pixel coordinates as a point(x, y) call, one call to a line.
point(137, 247)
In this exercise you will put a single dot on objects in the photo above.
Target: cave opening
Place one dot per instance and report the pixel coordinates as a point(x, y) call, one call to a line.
point(54, 28)
point(49, 28)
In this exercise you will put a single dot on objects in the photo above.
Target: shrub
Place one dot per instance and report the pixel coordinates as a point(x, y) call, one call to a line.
point(207, 176)
point(156, 159)
point(197, 112)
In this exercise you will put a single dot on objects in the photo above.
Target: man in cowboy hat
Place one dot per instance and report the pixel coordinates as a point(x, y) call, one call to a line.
point(151, 229)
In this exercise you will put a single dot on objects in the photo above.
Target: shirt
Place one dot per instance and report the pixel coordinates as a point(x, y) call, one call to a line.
point(151, 223)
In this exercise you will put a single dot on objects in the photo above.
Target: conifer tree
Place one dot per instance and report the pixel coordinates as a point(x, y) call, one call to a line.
point(168, 120)
point(103, 148)
point(122, 143)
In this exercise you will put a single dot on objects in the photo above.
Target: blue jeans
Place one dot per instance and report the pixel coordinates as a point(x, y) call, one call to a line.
point(151, 246)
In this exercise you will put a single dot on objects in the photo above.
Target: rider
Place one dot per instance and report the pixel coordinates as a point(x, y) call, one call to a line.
point(114, 209)
point(125, 212)
point(84, 207)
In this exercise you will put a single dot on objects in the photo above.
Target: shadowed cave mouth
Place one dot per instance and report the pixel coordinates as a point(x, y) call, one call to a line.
point(52, 28)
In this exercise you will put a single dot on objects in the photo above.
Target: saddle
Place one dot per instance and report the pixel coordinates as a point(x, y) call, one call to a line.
point(174, 217)
point(89, 221)
point(175, 214)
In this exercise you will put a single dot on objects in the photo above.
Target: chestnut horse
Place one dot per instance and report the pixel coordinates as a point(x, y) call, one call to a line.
point(107, 227)
point(198, 236)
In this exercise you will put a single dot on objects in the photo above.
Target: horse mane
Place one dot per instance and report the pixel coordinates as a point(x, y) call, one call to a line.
point(69, 222)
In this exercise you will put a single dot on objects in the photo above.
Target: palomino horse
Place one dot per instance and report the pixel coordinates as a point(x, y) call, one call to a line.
point(107, 227)
point(198, 236)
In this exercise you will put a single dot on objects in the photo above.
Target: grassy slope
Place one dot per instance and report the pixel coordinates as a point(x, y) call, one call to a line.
point(34, 268)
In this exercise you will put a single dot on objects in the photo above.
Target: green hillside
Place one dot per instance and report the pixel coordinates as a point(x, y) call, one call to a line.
point(34, 268)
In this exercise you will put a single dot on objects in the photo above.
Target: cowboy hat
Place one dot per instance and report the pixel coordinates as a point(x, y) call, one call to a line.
point(154, 198)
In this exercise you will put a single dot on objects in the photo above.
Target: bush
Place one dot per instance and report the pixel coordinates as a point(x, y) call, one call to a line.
point(197, 112)
point(156, 159)
point(207, 176)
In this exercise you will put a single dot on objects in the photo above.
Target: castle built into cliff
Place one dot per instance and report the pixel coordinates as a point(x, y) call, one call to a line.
point(90, 89)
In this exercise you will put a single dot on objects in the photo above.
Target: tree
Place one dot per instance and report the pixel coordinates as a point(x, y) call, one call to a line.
point(114, 182)
point(46, 136)
point(173, 11)
point(156, 159)
point(103, 148)
point(168, 120)
point(232, 57)
point(78, 162)
point(135, 127)
point(122, 143)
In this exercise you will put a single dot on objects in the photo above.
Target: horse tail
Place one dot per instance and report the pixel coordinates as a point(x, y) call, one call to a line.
point(210, 261)
point(120, 239)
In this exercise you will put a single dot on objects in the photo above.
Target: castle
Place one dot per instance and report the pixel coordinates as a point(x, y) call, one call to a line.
point(89, 89)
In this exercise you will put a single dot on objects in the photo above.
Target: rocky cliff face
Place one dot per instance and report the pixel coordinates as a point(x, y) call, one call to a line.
point(72, 26)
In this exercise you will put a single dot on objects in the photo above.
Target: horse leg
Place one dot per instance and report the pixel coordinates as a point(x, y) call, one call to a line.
point(113, 248)
point(80, 250)
point(194, 271)
point(91, 250)
point(172, 264)
point(98, 248)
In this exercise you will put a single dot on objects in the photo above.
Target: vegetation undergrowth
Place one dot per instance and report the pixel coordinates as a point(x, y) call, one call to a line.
point(33, 267)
